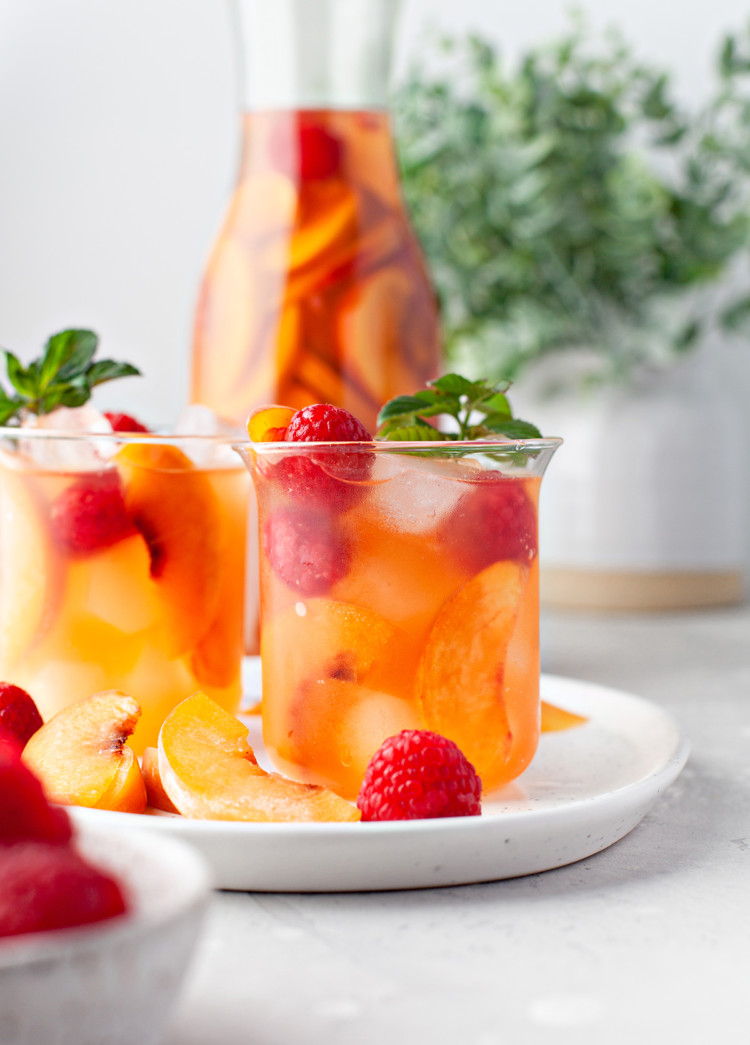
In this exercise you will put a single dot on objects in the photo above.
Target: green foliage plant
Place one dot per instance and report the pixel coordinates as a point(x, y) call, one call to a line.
point(568, 203)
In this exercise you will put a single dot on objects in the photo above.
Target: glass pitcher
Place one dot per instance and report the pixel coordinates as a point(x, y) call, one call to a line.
point(315, 290)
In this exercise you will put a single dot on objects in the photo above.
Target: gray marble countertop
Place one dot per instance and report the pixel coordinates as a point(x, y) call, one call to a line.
point(647, 941)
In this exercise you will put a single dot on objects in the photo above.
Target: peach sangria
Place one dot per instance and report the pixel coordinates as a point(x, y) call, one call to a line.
point(399, 581)
point(121, 552)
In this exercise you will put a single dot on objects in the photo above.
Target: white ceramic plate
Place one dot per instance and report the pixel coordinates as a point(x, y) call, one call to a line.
point(586, 788)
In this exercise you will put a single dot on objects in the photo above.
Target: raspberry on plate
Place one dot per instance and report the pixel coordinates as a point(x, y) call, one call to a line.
point(494, 520)
point(90, 514)
point(25, 813)
point(19, 715)
point(304, 550)
point(125, 423)
point(419, 775)
point(48, 887)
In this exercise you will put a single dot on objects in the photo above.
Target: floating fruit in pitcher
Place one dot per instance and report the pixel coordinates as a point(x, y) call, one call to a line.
point(460, 678)
point(418, 775)
point(82, 758)
point(208, 770)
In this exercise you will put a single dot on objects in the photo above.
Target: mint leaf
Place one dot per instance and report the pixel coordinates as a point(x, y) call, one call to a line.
point(479, 408)
point(108, 370)
point(78, 348)
point(417, 434)
point(64, 375)
point(455, 384)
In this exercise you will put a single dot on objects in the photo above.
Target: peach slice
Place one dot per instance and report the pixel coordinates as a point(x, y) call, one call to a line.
point(175, 508)
point(81, 756)
point(460, 677)
point(157, 796)
point(336, 727)
point(314, 640)
point(209, 771)
point(267, 424)
point(28, 568)
point(555, 718)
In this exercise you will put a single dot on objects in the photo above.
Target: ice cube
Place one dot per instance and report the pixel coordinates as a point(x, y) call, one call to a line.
point(416, 493)
point(74, 453)
point(199, 420)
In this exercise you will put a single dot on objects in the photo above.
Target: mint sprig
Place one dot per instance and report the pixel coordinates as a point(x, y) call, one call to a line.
point(64, 375)
point(479, 410)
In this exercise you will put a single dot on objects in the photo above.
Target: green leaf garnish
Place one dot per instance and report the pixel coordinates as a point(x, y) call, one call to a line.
point(479, 410)
point(65, 375)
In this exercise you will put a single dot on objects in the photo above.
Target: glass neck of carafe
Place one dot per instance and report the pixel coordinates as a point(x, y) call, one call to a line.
point(315, 54)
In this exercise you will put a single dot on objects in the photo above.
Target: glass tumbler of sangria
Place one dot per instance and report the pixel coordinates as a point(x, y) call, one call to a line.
point(122, 560)
point(399, 589)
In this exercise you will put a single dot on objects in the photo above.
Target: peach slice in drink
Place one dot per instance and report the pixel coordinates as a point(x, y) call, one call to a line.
point(209, 771)
point(28, 568)
point(312, 641)
point(175, 508)
point(460, 681)
point(81, 755)
point(336, 726)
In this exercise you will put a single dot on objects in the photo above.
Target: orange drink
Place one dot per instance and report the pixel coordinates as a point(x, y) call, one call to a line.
point(121, 567)
point(316, 290)
point(399, 589)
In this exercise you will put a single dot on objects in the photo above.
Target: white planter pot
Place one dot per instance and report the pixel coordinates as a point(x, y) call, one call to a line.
point(645, 505)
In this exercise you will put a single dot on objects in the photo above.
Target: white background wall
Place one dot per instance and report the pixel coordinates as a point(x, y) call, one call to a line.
point(118, 145)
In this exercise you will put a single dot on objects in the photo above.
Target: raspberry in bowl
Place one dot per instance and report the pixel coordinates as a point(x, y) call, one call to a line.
point(96, 929)
point(399, 581)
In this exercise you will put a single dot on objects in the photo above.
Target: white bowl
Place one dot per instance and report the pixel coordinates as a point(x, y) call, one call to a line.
point(116, 982)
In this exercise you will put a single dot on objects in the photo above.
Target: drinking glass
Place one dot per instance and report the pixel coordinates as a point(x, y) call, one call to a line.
point(399, 588)
point(122, 562)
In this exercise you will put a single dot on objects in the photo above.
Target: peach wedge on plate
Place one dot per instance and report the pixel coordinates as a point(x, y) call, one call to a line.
point(208, 771)
point(82, 758)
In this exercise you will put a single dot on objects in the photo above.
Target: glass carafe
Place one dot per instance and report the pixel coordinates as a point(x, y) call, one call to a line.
point(315, 290)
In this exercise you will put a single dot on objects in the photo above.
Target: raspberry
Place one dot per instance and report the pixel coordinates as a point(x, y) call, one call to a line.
point(90, 514)
point(495, 520)
point(304, 550)
point(417, 775)
point(125, 423)
point(19, 715)
point(25, 813)
point(323, 423)
point(306, 148)
point(327, 478)
point(49, 887)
